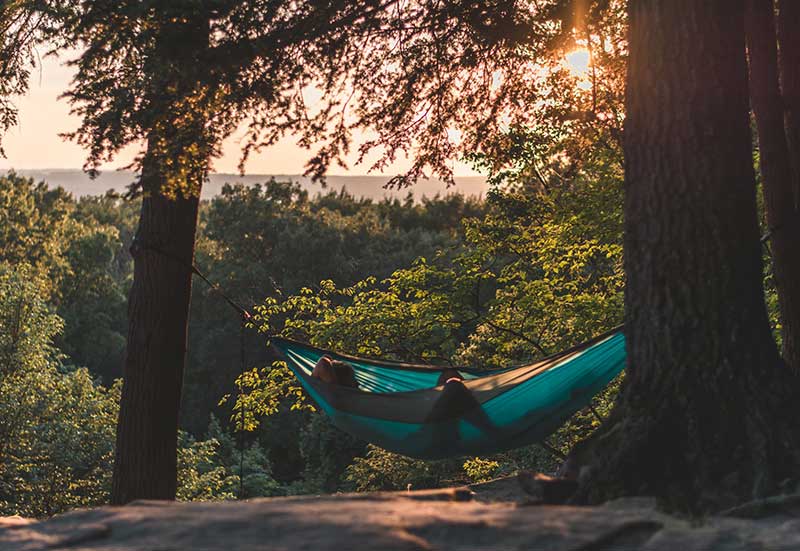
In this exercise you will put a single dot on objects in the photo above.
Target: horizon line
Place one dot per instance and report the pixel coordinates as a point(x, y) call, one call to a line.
point(296, 174)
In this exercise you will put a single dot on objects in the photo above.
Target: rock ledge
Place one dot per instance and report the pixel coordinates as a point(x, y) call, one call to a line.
point(495, 516)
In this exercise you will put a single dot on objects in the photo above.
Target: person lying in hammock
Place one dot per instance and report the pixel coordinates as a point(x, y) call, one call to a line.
point(335, 372)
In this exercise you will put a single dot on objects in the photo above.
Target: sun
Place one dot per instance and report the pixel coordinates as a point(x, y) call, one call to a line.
point(578, 62)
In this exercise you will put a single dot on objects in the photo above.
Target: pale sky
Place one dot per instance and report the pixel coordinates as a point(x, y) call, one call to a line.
point(35, 144)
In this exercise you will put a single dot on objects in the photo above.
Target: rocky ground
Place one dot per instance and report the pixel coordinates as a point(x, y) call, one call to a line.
point(495, 516)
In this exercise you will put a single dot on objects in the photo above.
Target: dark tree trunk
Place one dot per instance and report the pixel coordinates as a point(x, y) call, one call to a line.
point(173, 170)
point(789, 62)
point(778, 116)
point(702, 416)
point(158, 311)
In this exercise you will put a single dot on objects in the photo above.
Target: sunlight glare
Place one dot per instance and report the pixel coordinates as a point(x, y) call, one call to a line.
point(578, 63)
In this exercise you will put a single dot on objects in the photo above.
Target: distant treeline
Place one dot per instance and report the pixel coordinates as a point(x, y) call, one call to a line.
point(79, 184)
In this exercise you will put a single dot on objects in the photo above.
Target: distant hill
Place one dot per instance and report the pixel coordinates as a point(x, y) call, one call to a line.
point(79, 184)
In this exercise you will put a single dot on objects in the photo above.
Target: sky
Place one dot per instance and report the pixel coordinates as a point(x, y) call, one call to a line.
point(35, 142)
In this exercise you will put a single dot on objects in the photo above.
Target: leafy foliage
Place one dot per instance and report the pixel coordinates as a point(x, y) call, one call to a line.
point(212, 469)
point(273, 240)
point(35, 226)
point(20, 28)
point(382, 470)
point(182, 76)
point(481, 470)
point(200, 476)
point(540, 271)
point(56, 424)
point(77, 246)
point(326, 453)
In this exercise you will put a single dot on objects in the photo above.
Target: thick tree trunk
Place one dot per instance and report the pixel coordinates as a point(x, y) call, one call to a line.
point(700, 420)
point(789, 63)
point(173, 169)
point(778, 110)
point(158, 312)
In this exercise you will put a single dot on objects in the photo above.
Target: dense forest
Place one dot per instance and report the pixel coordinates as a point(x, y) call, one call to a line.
point(482, 282)
point(643, 163)
point(437, 280)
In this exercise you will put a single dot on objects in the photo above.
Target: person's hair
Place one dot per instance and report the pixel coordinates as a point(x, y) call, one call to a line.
point(345, 375)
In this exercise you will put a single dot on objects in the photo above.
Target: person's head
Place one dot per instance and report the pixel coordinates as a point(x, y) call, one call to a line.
point(324, 370)
point(345, 375)
point(447, 374)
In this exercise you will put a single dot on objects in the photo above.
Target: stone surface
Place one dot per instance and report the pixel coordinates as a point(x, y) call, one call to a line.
point(10, 522)
point(495, 516)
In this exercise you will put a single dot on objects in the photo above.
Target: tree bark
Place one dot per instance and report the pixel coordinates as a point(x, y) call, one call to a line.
point(158, 312)
point(789, 63)
point(700, 420)
point(782, 193)
point(173, 170)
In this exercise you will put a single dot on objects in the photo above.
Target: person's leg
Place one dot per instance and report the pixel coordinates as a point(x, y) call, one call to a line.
point(454, 401)
point(443, 418)
point(457, 401)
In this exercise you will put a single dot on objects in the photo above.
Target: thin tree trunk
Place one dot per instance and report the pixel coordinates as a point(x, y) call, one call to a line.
point(782, 195)
point(699, 420)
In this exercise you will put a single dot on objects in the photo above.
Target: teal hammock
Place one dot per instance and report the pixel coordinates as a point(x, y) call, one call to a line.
point(399, 407)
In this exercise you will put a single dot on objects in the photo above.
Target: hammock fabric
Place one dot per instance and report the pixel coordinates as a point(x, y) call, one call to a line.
point(399, 407)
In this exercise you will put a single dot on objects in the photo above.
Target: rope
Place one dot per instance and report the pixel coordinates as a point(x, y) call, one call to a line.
point(772, 229)
point(216, 288)
point(767, 236)
point(137, 245)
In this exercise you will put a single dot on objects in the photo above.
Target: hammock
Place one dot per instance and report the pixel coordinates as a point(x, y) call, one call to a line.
point(399, 407)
